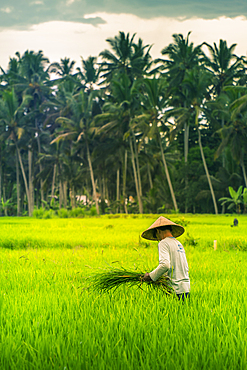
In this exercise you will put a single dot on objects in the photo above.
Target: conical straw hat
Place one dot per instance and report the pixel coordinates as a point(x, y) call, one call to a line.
point(177, 230)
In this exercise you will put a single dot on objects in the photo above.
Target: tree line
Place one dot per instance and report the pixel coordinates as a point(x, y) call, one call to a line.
point(132, 133)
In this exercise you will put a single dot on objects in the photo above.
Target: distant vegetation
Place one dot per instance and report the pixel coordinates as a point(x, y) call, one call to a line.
point(131, 134)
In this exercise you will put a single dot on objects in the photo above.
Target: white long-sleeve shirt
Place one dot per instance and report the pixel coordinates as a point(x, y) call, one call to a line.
point(172, 260)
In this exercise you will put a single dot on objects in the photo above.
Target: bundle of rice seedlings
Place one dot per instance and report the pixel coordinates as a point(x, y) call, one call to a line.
point(113, 279)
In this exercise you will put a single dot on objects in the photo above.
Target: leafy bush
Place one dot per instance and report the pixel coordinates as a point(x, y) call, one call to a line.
point(93, 211)
point(63, 213)
point(77, 212)
point(39, 213)
point(49, 214)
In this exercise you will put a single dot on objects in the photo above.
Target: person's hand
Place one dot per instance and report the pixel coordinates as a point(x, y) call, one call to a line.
point(147, 277)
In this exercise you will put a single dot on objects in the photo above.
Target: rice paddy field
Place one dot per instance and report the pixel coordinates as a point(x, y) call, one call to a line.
point(51, 319)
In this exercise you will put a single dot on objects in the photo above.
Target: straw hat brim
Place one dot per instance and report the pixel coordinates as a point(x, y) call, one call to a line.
point(149, 234)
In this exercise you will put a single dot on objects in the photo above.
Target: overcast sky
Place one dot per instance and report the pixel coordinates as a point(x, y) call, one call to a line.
point(75, 28)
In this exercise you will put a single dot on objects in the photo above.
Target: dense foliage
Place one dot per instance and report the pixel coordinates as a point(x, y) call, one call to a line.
point(130, 133)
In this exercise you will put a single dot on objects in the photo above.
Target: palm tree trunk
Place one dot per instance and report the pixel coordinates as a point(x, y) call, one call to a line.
point(92, 178)
point(149, 172)
point(206, 171)
point(30, 177)
point(104, 187)
point(61, 195)
point(17, 186)
point(64, 187)
point(107, 196)
point(124, 180)
point(137, 165)
point(223, 154)
point(135, 177)
point(41, 186)
point(186, 141)
point(186, 151)
point(72, 196)
point(102, 192)
point(24, 178)
point(53, 181)
point(167, 174)
point(4, 202)
point(40, 166)
point(150, 177)
point(118, 186)
point(223, 162)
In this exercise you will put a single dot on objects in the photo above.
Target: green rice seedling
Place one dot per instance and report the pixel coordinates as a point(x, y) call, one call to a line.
point(48, 321)
point(113, 279)
point(124, 232)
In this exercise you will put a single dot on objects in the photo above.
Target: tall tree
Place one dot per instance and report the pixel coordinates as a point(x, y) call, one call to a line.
point(89, 73)
point(234, 133)
point(126, 57)
point(12, 116)
point(197, 83)
point(116, 117)
point(226, 67)
point(76, 127)
point(153, 92)
point(181, 56)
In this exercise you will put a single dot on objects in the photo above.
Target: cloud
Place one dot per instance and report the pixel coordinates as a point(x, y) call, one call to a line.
point(73, 40)
point(25, 13)
point(5, 10)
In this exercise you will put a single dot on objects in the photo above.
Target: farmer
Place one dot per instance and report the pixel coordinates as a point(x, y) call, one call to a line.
point(172, 258)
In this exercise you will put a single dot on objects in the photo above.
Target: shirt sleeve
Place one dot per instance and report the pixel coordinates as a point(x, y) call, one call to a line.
point(164, 261)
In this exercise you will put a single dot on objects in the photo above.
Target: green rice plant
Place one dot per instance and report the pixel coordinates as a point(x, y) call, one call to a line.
point(49, 321)
point(113, 279)
point(124, 232)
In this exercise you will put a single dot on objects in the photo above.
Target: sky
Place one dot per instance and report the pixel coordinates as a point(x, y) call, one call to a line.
point(79, 28)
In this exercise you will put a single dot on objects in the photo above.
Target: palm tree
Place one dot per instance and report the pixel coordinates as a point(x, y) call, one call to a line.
point(126, 57)
point(182, 56)
point(226, 67)
point(11, 115)
point(153, 118)
point(62, 69)
point(34, 71)
point(196, 82)
point(234, 133)
point(9, 77)
point(28, 76)
point(116, 117)
point(75, 127)
point(54, 159)
point(66, 80)
point(89, 73)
